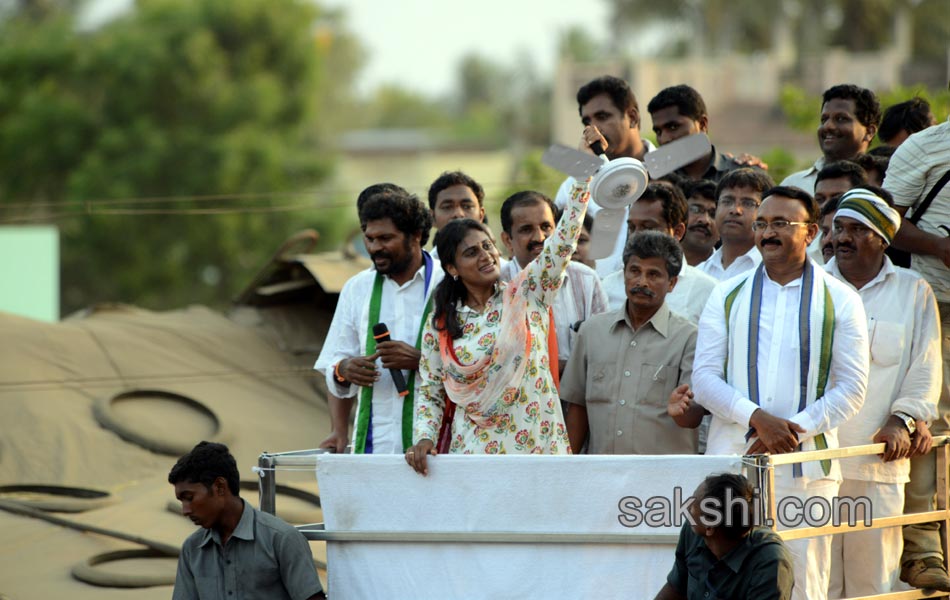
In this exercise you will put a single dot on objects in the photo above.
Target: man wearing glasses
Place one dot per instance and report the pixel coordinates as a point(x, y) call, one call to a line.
point(737, 198)
point(781, 362)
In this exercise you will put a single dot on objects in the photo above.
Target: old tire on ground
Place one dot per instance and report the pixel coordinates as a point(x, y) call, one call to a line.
point(60, 498)
point(104, 411)
point(90, 571)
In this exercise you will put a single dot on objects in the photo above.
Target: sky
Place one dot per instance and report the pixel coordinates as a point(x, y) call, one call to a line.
point(419, 43)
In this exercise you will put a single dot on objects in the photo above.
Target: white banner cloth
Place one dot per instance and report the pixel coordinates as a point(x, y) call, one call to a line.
point(506, 493)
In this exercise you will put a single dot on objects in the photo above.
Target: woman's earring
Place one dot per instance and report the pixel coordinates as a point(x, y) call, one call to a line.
point(455, 277)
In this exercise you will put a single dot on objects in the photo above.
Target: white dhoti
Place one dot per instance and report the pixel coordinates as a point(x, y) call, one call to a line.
point(864, 563)
point(806, 505)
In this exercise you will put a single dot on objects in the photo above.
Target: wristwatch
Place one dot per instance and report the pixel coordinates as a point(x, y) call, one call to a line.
point(909, 422)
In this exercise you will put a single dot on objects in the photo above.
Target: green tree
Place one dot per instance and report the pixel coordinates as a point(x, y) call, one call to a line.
point(392, 106)
point(179, 98)
point(750, 25)
point(577, 44)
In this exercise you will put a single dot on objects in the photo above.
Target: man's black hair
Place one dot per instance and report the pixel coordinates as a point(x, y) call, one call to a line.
point(795, 193)
point(871, 162)
point(676, 179)
point(451, 178)
point(911, 116)
point(588, 222)
point(866, 107)
point(655, 244)
point(524, 198)
point(684, 98)
point(703, 188)
point(733, 495)
point(671, 197)
point(828, 207)
point(844, 168)
point(406, 211)
point(617, 89)
point(206, 462)
point(756, 179)
point(378, 188)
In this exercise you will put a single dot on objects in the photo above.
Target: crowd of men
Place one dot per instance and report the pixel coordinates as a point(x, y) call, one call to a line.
point(734, 315)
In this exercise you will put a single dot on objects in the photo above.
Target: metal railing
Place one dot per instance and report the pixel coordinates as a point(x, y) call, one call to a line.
point(760, 469)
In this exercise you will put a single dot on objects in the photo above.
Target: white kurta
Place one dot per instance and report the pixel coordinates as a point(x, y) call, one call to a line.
point(777, 360)
point(401, 309)
point(905, 375)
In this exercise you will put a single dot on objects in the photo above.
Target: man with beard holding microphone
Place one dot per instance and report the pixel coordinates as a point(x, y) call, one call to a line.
point(358, 358)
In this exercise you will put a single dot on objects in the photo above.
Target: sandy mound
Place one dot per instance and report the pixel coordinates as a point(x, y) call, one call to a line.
point(103, 402)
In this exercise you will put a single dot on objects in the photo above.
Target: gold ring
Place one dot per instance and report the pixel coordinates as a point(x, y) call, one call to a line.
point(410, 452)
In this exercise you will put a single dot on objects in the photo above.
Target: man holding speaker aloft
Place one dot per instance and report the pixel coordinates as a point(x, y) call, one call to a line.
point(372, 348)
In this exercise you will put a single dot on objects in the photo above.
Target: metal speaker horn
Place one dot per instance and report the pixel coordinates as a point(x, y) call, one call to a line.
point(616, 184)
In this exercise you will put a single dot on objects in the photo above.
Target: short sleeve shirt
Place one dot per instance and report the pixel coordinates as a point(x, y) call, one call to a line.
point(759, 568)
point(264, 558)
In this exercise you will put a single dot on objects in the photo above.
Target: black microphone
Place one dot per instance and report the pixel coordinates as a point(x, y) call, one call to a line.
point(381, 334)
point(597, 147)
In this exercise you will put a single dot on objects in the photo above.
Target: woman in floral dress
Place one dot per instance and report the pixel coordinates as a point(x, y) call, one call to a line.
point(486, 347)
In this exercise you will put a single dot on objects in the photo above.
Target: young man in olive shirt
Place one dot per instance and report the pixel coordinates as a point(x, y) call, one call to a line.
point(239, 553)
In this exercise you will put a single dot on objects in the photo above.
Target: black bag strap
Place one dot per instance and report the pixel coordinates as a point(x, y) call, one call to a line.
point(919, 211)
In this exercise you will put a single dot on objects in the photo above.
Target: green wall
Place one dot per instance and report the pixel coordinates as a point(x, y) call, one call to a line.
point(29, 272)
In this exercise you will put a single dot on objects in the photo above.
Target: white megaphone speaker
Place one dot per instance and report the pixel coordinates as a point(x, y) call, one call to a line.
point(617, 183)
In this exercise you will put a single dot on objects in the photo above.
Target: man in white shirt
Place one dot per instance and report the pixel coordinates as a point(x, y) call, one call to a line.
point(915, 170)
point(849, 119)
point(527, 219)
point(781, 362)
point(395, 227)
point(905, 379)
point(662, 207)
point(609, 105)
point(738, 196)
